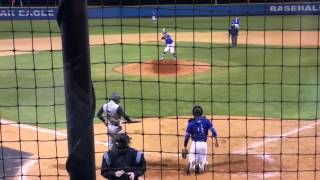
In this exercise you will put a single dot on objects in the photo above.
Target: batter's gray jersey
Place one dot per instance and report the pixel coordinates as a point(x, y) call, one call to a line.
point(110, 109)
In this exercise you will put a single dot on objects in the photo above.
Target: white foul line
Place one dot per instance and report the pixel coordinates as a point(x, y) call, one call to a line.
point(278, 137)
point(274, 139)
point(29, 163)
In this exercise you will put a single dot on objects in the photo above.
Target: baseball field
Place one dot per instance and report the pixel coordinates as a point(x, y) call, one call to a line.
point(262, 96)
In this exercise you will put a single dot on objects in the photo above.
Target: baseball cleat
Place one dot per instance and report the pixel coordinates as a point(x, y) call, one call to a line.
point(202, 167)
point(197, 169)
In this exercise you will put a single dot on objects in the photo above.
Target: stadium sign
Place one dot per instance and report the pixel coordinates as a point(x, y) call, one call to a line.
point(7, 13)
point(295, 8)
point(27, 13)
point(42, 13)
point(45, 13)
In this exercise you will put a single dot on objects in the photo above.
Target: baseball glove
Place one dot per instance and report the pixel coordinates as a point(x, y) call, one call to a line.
point(184, 153)
point(162, 37)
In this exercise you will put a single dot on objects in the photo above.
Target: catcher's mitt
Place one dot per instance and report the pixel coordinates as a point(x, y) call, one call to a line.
point(184, 153)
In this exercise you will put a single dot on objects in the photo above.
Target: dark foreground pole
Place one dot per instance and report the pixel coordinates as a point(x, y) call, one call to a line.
point(79, 94)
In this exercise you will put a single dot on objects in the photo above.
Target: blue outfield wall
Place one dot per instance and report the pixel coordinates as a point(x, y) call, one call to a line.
point(49, 13)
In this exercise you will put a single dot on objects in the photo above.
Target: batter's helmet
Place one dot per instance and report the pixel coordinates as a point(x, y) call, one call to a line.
point(197, 111)
point(122, 141)
point(115, 97)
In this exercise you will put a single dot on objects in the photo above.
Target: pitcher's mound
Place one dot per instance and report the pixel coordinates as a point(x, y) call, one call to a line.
point(164, 68)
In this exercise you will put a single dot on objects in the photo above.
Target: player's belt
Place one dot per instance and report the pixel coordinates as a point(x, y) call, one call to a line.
point(114, 123)
point(199, 141)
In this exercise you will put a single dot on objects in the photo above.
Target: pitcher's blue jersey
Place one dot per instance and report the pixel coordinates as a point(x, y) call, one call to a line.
point(198, 129)
point(168, 38)
point(236, 21)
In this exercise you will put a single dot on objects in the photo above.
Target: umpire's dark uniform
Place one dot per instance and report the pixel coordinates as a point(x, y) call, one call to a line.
point(233, 32)
point(127, 159)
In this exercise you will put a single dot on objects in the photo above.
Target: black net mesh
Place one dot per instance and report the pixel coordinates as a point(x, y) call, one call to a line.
point(261, 94)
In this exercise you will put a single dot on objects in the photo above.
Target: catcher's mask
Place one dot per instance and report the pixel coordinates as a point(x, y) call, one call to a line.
point(122, 142)
point(197, 111)
point(115, 97)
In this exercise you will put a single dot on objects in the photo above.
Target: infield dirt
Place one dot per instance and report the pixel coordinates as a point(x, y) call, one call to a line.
point(250, 147)
point(279, 38)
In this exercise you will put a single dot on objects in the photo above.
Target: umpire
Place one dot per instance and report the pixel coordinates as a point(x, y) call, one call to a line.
point(123, 162)
point(233, 32)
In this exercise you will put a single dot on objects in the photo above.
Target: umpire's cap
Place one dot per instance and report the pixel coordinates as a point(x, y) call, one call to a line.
point(122, 141)
point(115, 97)
point(197, 111)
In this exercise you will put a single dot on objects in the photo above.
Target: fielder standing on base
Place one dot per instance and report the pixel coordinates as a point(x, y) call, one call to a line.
point(154, 17)
point(169, 45)
point(197, 129)
point(233, 33)
point(110, 114)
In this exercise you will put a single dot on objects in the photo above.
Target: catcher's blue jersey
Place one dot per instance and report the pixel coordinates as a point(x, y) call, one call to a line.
point(198, 129)
point(168, 38)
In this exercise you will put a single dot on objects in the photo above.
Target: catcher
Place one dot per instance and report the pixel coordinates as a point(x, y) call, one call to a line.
point(198, 128)
point(110, 114)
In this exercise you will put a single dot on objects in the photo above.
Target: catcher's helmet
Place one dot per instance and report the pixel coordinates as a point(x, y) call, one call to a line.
point(115, 97)
point(197, 111)
point(122, 141)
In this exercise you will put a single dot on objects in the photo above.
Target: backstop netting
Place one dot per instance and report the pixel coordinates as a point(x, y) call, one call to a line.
point(261, 93)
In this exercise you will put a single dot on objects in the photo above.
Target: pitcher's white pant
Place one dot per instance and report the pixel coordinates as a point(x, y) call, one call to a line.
point(198, 154)
point(112, 131)
point(170, 47)
point(154, 19)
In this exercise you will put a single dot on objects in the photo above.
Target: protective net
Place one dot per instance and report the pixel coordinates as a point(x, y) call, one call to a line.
point(31, 92)
point(259, 88)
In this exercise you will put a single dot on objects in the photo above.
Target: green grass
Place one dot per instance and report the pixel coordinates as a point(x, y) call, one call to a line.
point(20, 29)
point(253, 81)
